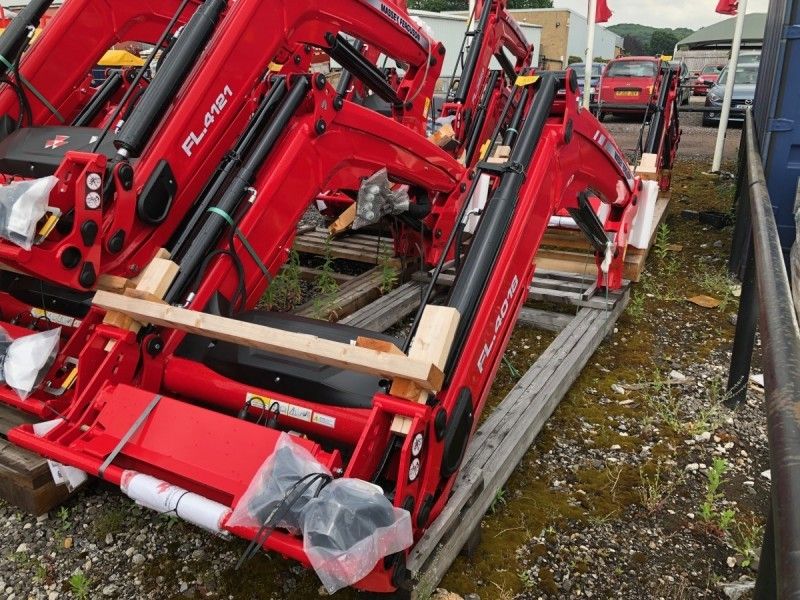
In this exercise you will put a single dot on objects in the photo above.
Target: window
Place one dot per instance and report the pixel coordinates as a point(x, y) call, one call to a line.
point(632, 68)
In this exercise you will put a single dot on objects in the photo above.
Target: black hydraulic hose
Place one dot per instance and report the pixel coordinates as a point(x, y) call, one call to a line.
point(15, 37)
point(437, 271)
point(137, 130)
point(512, 131)
point(476, 125)
point(145, 67)
point(232, 160)
point(657, 124)
point(235, 193)
point(471, 62)
point(103, 94)
point(471, 284)
point(346, 77)
point(371, 76)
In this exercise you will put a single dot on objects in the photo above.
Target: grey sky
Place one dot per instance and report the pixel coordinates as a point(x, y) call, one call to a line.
point(663, 13)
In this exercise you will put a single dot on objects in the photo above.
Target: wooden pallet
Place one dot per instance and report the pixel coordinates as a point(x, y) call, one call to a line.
point(502, 440)
point(25, 479)
point(358, 247)
point(567, 251)
point(354, 293)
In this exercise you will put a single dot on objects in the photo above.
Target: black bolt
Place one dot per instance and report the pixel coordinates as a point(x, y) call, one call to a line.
point(338, 103)
point(463, 187)
point(320, 127)
point(438, 233)
point(116, 242)
point(442, 50)
point(297, 59)
point(155, 346)
point(125, 174)
point(307, 48)
point(320, 80)
point(71, 257)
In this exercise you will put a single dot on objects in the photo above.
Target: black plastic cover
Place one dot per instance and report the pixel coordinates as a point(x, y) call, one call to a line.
point(457, 433)
point(303, 379)
point(38, 151)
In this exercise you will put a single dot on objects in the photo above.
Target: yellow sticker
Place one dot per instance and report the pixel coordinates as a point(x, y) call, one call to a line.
point(485, 148)
point(275, 68)
point(427, 107)
point(523, 80)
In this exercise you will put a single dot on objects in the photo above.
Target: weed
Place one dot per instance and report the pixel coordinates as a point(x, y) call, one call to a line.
point(661, 248)
point(170, 519)
point(652, 489)
point(79, 585)
point(111, 520)
point(388, 270)
point(285, 292)
point(326, 286)
point(527, 580)
point(746, 540)
point(63, 517)
point(636, 304)
point(717, 283)
point(708, 508)
point(498, 501)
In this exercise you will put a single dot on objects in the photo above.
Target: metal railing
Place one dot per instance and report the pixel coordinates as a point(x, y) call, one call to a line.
point(769, 296)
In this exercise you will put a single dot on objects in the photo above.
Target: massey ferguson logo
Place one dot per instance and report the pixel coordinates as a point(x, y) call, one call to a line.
point(57, 142)
point(498, 323)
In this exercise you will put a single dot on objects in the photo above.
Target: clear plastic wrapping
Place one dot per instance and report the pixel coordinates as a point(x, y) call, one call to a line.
point(22, 205)
point(28, 359)
point(348, 528)
point(347, 525)
point(273, 482)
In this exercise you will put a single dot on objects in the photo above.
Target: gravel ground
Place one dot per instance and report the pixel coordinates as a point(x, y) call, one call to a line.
point(616, 499)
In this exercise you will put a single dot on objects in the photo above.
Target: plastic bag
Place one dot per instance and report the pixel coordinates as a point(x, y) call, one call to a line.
point(376, 198)
point(273, 482)
point(5, 342)
point(22, 205)
point(348, 528)
point(28, 359)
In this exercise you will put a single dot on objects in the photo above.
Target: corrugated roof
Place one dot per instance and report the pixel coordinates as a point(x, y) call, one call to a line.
point(719, 35)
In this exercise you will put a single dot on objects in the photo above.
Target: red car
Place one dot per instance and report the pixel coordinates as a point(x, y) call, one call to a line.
point(628, 85)
point(706, 79)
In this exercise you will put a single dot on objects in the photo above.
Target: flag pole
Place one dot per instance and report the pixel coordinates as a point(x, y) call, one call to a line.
point(587, 72)
point(726, 101)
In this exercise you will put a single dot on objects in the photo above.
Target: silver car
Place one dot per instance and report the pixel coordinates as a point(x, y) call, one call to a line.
point(744, 89)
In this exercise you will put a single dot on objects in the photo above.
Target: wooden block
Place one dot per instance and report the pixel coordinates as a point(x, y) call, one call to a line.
point(648, 166)
point(296, 345)
point(379, 345)
point(113, 283)
point(344, 221)
point(443, 137)
point(502, 152)
point(432, 343)
point(151, 284)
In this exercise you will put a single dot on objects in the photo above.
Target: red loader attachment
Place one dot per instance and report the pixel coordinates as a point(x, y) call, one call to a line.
point(178, 210)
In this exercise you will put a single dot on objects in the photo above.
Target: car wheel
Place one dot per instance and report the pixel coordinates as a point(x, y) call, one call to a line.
point(600, 116)
point(707, 122)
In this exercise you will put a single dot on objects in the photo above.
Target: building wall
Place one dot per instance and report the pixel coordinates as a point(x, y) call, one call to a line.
point(565, 34)
point(697, 59)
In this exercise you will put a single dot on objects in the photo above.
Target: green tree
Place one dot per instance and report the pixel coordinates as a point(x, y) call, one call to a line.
point(633, 46)
point(663, 42)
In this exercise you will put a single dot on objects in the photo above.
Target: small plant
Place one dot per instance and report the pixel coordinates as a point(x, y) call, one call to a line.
point(388, 270)
point(285, 292)
point(709, 511)
point(636, 304)
point(746, 540)
point(79, 585)
point(717, 283)
point(527, 580)
point(498, 501)
point(327, 288)
point(651, 489)
point(170, 519)
point(63, 517)
point(663, 250)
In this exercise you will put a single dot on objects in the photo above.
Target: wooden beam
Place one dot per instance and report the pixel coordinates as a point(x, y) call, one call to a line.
point(431, 344)
point(344, 221)
point(422, 372)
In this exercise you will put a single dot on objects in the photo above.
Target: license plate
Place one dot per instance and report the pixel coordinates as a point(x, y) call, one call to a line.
point(628, 93)
point(740, 106)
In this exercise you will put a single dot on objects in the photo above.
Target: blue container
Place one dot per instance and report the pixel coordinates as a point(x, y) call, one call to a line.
point(777, 112)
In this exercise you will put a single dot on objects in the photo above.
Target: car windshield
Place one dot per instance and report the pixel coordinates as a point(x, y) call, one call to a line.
point(632, 68)
point(744, 76)
point(711, 69)
point(580, 70)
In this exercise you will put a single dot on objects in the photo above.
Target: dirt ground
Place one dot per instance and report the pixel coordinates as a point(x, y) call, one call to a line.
point(643, 484)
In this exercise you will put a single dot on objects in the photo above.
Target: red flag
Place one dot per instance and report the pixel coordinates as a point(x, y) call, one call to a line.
point(728, 7)
point(603, 13)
